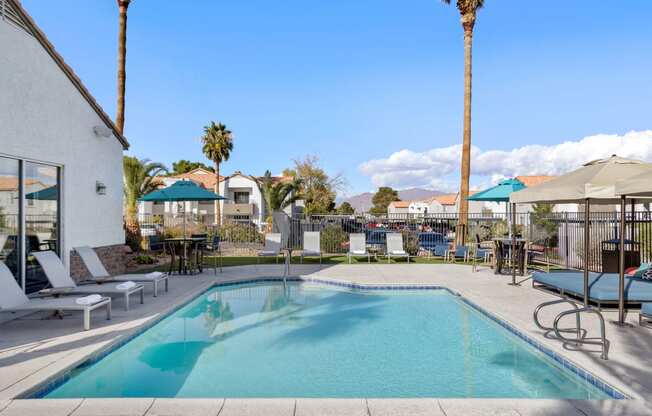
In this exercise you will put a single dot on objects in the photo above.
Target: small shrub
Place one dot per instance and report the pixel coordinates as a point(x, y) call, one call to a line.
point(333, 239)
point(240, 233)
point(144, 259)
point(411, 243)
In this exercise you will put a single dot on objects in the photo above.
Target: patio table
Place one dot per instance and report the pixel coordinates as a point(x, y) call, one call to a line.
point(512, 252)
point(184, 255)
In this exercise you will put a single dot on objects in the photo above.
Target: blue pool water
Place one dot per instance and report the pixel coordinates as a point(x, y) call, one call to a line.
point(309, 340)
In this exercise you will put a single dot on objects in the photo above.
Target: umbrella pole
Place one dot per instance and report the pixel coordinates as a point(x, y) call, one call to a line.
point(621, 267)
point(587, 209)
point(512, 251)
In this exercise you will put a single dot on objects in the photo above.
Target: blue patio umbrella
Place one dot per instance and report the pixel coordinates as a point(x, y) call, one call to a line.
point(501, 193)
point(182, 191)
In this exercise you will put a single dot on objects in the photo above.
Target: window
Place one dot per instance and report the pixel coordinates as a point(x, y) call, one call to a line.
point(241, 197)
point(37, 186)
point(9, 224)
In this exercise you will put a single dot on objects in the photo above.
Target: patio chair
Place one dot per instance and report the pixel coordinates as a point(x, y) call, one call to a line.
point(311, 245)
point(480, 256)
point(99, 273)
point(213, 247)
point(62, 282)
point(645, 316)
point(460, 252)
point(395, 247)
point(358, 247)
point(429, 240)
point(441, 250)
point(12, 299)
point(272, 246)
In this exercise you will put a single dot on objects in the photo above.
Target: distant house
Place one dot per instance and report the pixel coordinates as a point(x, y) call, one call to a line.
point(398, 207)
point(450, 203)
point(60, 156)
point(244, 203)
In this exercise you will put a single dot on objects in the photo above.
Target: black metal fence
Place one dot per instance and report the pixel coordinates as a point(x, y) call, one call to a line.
point(560, 234)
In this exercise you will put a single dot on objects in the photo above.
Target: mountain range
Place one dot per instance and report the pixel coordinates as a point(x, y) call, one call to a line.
point(362, 202)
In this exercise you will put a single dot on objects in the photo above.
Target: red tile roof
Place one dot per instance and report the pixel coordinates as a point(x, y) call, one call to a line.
point(533, 180)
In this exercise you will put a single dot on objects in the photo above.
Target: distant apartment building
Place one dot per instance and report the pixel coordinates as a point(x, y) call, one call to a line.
point(450, 203)
point(244, 198)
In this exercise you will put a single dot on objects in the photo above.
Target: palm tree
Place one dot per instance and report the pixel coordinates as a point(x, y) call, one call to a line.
point(139, 179)
point(123, 5)
point(279, 195)
point(468, 10)
point(218, 144)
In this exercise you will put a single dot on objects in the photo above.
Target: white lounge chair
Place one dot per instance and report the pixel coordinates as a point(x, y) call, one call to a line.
point(12, 299)
point(99, 273)
point(358, 247)
point(311, 245)
point(61, 281)
point(272, 246)
point(395, 246)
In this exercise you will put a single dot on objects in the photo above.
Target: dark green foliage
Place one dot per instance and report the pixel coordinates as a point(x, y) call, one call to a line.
point(382, 199)
point(345, 209)
point(333, 238)
point(185, 166)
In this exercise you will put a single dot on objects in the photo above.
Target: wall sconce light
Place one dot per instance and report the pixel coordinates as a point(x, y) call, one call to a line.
point(100, 188)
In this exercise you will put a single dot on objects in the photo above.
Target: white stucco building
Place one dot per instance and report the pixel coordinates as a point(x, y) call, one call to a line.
point(60, 158)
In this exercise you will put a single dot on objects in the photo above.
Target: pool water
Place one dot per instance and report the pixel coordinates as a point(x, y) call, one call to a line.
point(308, 340)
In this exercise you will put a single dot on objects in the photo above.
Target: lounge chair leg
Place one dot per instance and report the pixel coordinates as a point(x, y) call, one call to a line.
point(87, 319)
point(167, 283)
point(155, 288)
point(126, 301)
point(108, 311)
point(142, 295)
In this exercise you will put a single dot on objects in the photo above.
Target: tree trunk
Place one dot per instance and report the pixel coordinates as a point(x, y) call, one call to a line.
point(467, 23)
point(132, 228)
point(218, 213)
point(122, 56)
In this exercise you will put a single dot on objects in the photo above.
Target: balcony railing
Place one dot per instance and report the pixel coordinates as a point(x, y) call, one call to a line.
point(238, 209)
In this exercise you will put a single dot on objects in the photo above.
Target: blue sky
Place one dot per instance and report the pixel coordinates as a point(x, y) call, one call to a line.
point(359, 81)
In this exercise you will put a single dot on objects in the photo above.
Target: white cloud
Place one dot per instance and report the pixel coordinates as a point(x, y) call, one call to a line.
point(437, 168)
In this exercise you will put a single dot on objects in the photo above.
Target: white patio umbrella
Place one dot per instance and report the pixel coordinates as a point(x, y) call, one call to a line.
point(638, 186)
point(593, 183)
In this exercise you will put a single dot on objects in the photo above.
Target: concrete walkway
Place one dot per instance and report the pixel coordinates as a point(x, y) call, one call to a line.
point(33, 350)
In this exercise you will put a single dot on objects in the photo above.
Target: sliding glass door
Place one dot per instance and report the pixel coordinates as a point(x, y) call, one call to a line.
point(41, 186)
point(29, 218)
point(9, 209)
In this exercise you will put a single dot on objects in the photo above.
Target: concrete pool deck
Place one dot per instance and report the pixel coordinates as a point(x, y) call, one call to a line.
point(33, 350)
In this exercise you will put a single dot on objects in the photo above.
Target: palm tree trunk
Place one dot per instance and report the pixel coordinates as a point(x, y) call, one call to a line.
point(467, 23)
point(122, 56)
point(218, 213)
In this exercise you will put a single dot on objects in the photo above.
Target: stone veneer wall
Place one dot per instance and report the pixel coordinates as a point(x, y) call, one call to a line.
point(113, 257)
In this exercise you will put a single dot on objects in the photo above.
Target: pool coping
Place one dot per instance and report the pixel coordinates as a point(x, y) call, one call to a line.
point(41, 389)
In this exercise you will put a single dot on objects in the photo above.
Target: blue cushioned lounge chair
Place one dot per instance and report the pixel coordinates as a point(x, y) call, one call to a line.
point(441, 250)
point(603, 287)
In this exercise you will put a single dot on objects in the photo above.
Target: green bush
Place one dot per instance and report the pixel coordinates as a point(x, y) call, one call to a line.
point(411, 243)
point(333, 239)
point(144, 259)
point(240, 233)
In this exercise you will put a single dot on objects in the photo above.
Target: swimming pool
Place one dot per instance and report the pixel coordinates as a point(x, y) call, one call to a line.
point(312, 340)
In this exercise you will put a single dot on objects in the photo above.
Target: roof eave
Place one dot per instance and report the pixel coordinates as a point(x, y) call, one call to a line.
point(58, 59)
